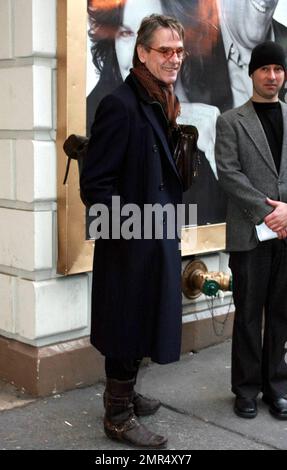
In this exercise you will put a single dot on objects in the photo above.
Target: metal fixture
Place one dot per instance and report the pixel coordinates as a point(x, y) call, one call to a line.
point(197, 280)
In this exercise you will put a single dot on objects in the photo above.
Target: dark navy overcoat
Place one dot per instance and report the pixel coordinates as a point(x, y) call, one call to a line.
point(136, 291)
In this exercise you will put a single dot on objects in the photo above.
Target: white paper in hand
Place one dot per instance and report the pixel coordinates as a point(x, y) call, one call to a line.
point(264, 232)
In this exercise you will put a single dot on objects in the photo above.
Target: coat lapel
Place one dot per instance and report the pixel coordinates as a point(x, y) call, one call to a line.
point(283, 166)
point(153, 120)
point(252, 125)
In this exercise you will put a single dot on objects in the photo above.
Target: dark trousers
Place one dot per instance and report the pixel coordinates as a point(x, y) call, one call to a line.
point(121, 369)
point(260, 284)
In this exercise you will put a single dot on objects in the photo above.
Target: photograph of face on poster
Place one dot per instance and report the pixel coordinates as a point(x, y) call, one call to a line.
point(219, 38)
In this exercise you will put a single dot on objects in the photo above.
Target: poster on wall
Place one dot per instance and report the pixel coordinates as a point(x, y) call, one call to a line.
point(95, 45)
point(220, 35)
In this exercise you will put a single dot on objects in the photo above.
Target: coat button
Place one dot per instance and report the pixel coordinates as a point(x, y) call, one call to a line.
point(161, 187)
point(154, 148)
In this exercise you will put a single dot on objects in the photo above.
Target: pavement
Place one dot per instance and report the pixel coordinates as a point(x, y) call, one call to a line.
point(196, 412)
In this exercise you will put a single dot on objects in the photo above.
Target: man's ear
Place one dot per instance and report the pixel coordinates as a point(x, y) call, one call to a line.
point(142, 52)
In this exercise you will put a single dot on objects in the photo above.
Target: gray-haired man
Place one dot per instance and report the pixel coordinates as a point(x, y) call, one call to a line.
point(136, 294)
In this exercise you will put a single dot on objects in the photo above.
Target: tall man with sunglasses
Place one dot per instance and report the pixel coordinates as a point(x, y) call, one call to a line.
point(136, 292)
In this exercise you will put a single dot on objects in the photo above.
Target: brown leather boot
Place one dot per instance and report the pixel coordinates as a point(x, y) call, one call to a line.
point(120, 422)
point(145, 406)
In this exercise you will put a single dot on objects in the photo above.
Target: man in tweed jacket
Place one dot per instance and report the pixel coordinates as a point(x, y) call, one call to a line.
point(251, 156)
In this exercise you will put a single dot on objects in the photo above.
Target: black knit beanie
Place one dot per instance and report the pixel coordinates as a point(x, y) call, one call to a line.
point(267, 53)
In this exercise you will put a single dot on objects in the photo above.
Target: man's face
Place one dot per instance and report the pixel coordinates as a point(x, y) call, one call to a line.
point(162, 68)
point(248, 20)
point(267, 82)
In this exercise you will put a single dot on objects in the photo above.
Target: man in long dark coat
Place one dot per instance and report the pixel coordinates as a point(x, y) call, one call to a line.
point(136, 293)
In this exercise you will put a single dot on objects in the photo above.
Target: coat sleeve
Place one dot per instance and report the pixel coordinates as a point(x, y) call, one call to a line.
point(106, 152)
point(231, 177)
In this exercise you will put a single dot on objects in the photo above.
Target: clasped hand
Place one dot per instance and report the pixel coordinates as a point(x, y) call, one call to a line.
point(277, 219)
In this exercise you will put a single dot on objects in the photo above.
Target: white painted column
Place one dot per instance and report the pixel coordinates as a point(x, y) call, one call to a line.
point(37, 306)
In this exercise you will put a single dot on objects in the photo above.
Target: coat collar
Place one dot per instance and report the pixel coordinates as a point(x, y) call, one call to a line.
point(283, 167)
point(252, 125)
point(141, 92)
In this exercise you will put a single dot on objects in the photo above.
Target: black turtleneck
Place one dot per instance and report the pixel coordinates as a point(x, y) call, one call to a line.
point(270, 115)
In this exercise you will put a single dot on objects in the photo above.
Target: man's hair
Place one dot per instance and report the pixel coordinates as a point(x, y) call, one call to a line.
point(148, 27)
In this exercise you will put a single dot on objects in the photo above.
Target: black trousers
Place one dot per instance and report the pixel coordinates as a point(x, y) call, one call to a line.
point(121, 369)
point(260, 285)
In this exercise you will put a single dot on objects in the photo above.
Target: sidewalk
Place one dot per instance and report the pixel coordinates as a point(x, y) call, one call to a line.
point(196, 412)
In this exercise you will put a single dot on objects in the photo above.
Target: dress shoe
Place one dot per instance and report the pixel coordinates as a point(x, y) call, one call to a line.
point(245, 407)
point(277, 406)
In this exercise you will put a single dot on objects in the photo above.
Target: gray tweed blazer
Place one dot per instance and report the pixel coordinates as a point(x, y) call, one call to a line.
point(247, 173)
